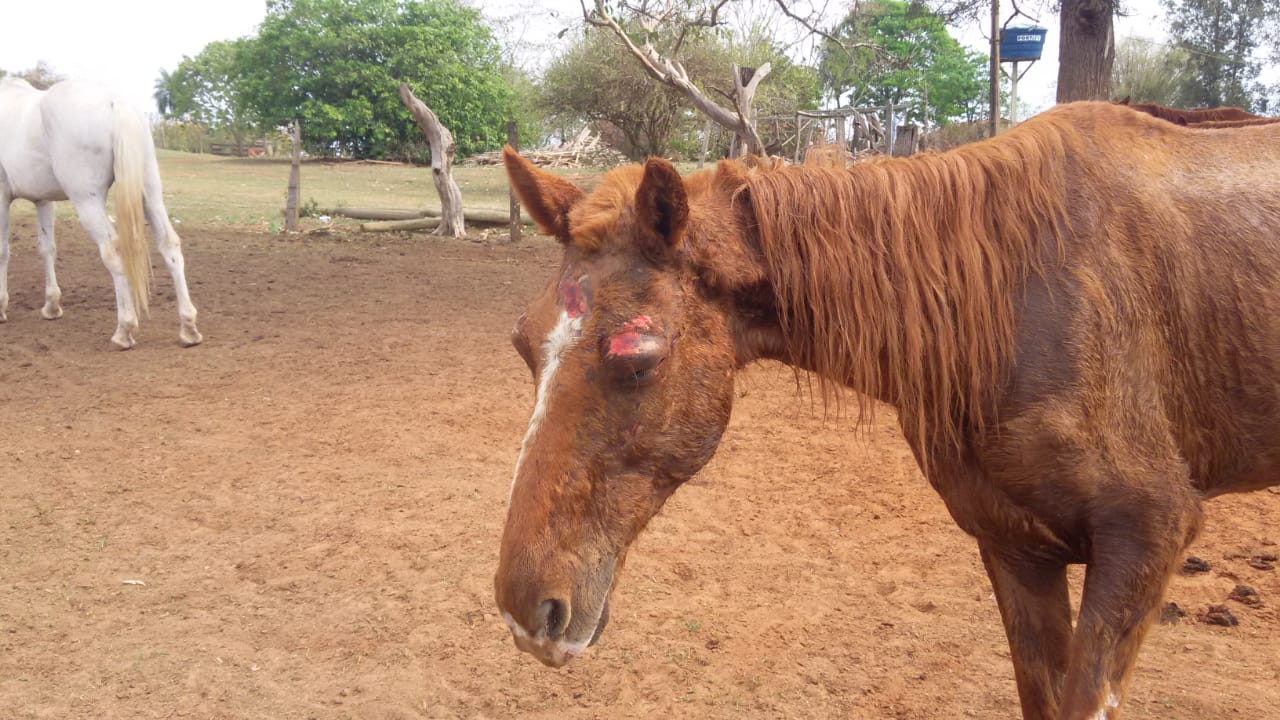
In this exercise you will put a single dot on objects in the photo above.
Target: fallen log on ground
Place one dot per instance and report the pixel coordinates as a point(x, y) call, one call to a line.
point(478, 217)
point(372, 213)
point(401, 225)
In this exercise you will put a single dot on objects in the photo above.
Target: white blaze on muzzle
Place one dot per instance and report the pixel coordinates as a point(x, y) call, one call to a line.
point(562, 337)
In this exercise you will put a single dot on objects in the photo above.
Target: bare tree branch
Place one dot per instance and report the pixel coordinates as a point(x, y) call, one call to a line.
point(669, 71)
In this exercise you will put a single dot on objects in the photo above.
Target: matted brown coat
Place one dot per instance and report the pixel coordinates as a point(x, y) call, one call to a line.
point(1078, 323)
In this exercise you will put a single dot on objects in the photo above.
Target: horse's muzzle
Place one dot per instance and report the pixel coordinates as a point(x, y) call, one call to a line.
point(550, 647)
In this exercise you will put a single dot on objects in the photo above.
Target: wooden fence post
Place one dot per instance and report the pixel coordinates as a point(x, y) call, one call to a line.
point(513, 139)
point(295, 172)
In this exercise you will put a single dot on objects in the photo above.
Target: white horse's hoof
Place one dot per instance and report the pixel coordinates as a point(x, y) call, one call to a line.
point(51, 313)
point(190, 337)
point(124, 341)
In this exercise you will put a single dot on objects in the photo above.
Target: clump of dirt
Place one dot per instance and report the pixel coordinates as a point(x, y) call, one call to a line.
point(1218, 615)
point(1193, 565)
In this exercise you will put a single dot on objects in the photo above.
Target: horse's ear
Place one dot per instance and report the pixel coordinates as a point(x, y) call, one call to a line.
point(662, 208)
point(546, 196)
point(727, 254)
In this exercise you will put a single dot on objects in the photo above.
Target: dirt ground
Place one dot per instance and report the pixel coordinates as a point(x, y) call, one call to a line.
point(300, 519)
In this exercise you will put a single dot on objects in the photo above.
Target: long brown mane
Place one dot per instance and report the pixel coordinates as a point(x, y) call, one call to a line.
point(941, 242)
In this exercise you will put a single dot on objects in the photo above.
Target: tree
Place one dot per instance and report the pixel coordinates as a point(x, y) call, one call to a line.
point(1148, 72)
point(206, 90)
point(1220, 37)
point(904, 54)
point(442, 146)
point(1086, 50)
point(663, 28)
point(337, 65)
point(596, 80)
point(162, 93)
point(41, 77)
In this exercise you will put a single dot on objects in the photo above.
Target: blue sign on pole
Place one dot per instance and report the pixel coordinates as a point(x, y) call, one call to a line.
point(1020, 44)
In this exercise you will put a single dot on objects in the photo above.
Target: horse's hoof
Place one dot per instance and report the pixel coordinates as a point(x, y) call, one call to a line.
point(190, 338)
point(50, 314)
point(124, 342)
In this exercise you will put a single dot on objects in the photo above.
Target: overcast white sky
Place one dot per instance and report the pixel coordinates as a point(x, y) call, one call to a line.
point(126, 43)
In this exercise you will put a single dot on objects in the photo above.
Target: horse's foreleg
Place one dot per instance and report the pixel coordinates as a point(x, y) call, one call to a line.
point(93, 216)
point(170, 248)
point(1135, 548)
point(4, 256)
point(52, 309)
point(1036, 609)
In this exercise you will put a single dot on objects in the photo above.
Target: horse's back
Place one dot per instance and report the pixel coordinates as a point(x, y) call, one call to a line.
point(67, 141)
point(1171, 280)
point(25, 170)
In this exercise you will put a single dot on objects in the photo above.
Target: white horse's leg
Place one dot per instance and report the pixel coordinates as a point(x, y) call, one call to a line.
point(93, 216)
point(52, 309)
point(4, 256)
point(170, 247)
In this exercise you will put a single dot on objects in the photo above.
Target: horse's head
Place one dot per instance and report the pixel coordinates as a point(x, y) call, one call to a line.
point(633, 347)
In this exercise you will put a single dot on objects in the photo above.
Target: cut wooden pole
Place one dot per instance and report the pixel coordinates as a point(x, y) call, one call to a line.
point(295, 174)
point(513, 139)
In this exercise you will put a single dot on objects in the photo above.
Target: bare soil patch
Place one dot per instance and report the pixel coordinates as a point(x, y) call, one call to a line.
point(300, 519)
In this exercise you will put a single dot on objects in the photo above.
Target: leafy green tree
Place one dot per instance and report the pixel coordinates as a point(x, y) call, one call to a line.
point(1220, 37)
point(524, 107)
point(206, 90)
point(337, 64)
point(1148, 72)
point(903, 54)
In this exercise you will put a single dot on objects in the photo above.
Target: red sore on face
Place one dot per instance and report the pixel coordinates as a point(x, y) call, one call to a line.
point(636, 338)
point(573, 298)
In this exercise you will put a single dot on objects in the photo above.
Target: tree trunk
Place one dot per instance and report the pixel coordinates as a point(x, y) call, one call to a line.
point(1086, 51)
point(442, 148)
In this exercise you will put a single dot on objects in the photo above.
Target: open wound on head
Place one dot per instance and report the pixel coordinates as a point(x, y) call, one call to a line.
point(574, 297)
point(637, 337)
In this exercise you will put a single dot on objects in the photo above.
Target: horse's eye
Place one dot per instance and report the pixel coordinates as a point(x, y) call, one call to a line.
point(635, 359)
point(636, 370)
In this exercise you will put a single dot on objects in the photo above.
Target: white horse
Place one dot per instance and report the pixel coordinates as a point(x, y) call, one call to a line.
point(71, 142)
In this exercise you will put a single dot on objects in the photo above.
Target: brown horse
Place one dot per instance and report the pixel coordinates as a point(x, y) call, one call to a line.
point(1078, 323)
point(1211, 124)
point(1178, 116)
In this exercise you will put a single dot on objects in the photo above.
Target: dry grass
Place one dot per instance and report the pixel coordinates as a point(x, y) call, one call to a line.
point(205, 190)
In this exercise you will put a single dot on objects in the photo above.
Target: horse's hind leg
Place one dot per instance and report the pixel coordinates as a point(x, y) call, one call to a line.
point(1036, 609)
point(93, 216)
point(1135, 547)
point(52, 309)
point(170, 247)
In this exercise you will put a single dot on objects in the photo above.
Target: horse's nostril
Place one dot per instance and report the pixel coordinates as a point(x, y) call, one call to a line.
point(553, 615)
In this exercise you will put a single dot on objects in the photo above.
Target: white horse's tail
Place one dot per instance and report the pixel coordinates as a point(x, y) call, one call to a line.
point(131, 236)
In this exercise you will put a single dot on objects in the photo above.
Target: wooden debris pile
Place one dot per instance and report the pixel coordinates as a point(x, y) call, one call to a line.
point(585, 150)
